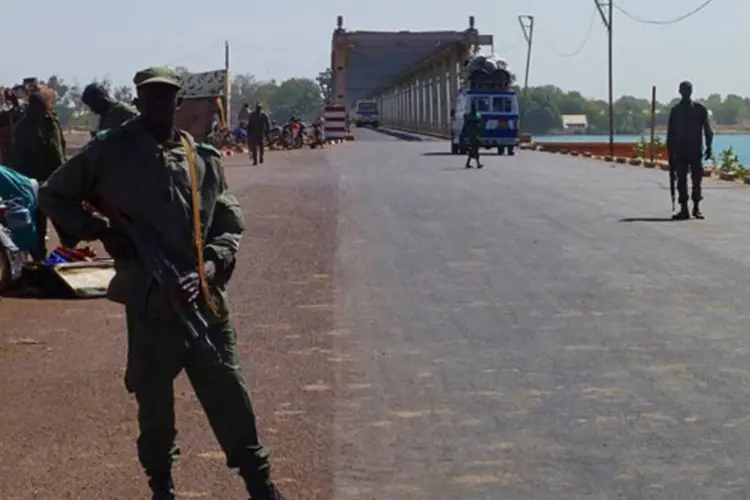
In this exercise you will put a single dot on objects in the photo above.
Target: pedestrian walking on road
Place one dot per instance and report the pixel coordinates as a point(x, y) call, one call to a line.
point(148, 170)
point(38, 151)
point(258, 127)
point(112, 113)
point(472, 132)
point(244, 115)
point(689, 123)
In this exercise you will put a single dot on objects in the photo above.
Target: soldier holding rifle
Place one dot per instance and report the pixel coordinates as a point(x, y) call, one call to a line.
point(154, 175)
point(688, 124)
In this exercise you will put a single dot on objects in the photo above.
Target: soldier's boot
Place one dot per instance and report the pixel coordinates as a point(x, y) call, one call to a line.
point(266, 492)
point(697, 211)
point(162, 486)
point(683, 214)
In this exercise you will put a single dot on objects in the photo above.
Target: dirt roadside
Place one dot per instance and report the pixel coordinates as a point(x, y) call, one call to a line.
point(67, 427)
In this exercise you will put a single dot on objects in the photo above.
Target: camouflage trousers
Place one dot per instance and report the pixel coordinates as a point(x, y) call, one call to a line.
point(157, 353)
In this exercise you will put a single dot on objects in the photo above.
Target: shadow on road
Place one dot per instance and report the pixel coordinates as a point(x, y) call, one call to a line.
point(648, 219)
point(439, 153)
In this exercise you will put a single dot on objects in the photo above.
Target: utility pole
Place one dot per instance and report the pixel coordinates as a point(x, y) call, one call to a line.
point(227, 86)
point(607, 20)
point(527, 26)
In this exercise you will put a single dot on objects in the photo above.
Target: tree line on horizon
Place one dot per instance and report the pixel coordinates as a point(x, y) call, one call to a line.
point(542, 110)
point(545, 105)
point(301, 97)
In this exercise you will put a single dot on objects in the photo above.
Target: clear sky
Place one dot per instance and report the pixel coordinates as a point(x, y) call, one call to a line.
point(81, 39)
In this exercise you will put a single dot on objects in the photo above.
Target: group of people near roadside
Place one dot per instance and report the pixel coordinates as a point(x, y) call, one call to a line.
point(39, 149)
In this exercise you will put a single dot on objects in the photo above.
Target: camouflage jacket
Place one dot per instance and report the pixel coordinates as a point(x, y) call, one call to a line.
point(129, 171)
point(38, 147)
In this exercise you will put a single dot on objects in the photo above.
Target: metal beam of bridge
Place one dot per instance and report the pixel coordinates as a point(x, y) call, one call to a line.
point(413, 75)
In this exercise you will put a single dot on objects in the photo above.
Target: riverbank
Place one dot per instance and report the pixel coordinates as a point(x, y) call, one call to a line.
point(739, 142)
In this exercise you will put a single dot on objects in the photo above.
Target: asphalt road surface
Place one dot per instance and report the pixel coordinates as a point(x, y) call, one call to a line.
point(411, 329)
point(513, 333)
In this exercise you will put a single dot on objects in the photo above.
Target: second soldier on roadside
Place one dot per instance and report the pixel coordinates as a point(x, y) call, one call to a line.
point(112, 113)
point(688, 125)
point(150, 172)
point(258, 127)
point(39, 150)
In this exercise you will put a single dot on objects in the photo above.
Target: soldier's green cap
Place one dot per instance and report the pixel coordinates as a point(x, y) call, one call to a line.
point(157, 75)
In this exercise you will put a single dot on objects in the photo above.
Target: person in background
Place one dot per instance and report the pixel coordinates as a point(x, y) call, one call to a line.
point(258, 127)
point(38, 151)
point(244, 115)
point(112, 113)
point(472, 134)
point(140, 170)
point(688, 124)
point(23, 191)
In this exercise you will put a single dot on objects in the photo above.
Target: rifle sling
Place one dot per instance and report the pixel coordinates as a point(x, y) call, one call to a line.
point(197, 225)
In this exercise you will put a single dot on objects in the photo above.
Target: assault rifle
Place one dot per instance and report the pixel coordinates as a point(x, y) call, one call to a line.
point(166, 274)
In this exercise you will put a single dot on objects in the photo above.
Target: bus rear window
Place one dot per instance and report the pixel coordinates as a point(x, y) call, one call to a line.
point(482, 104)
point(502, 104)
point(367, 106)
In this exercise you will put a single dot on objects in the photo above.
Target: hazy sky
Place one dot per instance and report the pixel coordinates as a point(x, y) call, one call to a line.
point(81, 39)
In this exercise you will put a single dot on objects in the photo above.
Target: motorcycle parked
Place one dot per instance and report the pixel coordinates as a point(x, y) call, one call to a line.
point(273, 138)
point(12, 259)
point(317, 139)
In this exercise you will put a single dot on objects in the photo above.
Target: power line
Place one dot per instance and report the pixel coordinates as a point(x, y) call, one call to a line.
point(664, 22)
point(511, 46)
point(580, 48)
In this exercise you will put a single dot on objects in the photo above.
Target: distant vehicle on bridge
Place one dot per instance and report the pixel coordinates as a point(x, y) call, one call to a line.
point(488, 84)
point(366, 113)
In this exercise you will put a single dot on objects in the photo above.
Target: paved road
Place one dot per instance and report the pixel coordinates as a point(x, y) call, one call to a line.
point(414, 330)
point(510, 336)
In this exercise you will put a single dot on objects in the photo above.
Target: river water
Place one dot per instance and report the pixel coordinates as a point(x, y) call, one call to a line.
point(740, 142)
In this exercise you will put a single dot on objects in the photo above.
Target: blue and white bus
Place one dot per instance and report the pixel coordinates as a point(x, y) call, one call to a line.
point(366, 113)
point(499, 111)
point(488, 85)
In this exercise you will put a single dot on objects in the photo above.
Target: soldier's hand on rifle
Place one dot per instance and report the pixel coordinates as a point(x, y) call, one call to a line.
point(190, 286)
point(209, 268)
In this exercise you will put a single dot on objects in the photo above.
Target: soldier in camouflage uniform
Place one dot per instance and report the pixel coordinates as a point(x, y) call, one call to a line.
point(112, 113)
point(141, 170)
point(38, 150)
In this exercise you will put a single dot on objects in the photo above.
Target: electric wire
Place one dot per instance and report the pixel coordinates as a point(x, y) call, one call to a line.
point(511, 46)
point(663, 22)
point(583, 44)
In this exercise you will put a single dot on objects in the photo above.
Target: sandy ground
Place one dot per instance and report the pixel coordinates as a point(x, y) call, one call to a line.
point(67, 423)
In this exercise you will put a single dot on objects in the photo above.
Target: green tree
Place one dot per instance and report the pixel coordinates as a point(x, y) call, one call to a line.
point(297, 96)
point(123, 93)
point(325, 81)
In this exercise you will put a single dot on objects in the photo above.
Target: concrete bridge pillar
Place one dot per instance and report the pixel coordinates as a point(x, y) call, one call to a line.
point(442, 97)
point(422, 101)
point(434, 101)
point(401, 105)
point(414, 105)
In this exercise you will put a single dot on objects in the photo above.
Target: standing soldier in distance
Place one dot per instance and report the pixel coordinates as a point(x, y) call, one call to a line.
point(688, 124)
point(38, 150)
point(142, 170)
point(258, 127)
point(112, 113)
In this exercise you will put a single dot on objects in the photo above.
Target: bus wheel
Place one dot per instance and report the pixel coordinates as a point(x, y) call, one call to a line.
point(501, 150)
point(511, 151)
